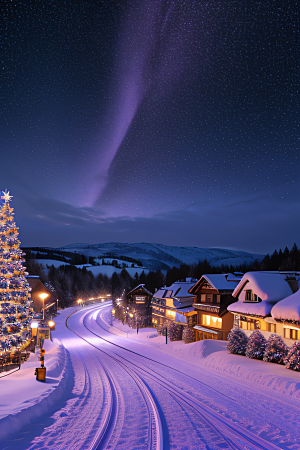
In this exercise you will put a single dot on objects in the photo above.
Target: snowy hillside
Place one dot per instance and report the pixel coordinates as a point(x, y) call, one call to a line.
point(158, 256)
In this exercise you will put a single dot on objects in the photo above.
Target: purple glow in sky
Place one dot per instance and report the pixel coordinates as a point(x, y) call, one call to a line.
point(174, 122)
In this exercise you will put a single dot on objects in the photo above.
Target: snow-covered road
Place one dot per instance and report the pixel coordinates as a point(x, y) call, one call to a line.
point(130, 396)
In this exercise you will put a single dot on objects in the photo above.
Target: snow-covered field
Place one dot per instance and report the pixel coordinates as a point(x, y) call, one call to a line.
point(116, 389)
point(96, 270)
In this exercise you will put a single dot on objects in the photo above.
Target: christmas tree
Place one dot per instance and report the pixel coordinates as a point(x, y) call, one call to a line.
point(256, 345)
point(237, 341)
point(15, 299)
point(276, 350)
point(292, 360)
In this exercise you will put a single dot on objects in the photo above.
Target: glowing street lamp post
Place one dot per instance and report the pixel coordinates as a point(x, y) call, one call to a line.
point(43, 297)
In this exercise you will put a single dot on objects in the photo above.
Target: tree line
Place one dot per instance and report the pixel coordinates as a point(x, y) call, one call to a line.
point(70, 283)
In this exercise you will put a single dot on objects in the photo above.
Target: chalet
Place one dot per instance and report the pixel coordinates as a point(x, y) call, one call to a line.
point(173, 303)
point(213, 294)
point(286, 314)
point(138, 301)
point(257, 294)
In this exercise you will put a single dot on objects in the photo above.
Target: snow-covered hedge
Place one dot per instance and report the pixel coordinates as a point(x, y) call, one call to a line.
point(276, 350)
point(292, 360)
point(188, 335)
point(256, 345)
point(237, 341)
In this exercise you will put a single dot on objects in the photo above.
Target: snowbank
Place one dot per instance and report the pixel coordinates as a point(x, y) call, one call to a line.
point(213, 355)
point(23, 398)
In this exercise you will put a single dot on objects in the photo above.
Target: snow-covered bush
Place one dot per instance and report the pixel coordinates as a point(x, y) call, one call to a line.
point(188, 335)
point(256, 345)
point(276, 350)
point(174, 331)
point(237, 341)
point(292, 360)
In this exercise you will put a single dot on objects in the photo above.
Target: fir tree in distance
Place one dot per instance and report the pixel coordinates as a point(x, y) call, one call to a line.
point(237, 341)
point(15, 298)
point(256, 345)
point(276, 350)
point(292, 360)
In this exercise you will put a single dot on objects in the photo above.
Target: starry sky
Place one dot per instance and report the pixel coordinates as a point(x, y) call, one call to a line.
point(173, 122)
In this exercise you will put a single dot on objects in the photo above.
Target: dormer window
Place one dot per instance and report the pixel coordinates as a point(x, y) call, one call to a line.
point(251, 297)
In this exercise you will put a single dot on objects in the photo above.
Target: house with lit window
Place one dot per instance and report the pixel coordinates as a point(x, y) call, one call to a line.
point(213, 294)
point(174, 303)
point(257, 294)
point(138, 301)
point(286, 314)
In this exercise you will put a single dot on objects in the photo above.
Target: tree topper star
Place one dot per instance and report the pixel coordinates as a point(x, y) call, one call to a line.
point(6, 197)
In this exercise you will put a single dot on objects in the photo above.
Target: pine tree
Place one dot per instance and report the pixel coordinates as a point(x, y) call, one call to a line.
point(15, 299)
point(256, 345)
point(188, 335)
point(276, 350)
point(292, 360)
point(237, 341)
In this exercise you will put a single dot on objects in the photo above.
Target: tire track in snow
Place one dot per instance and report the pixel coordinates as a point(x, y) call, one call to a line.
point(233, 435)
point(105, 434)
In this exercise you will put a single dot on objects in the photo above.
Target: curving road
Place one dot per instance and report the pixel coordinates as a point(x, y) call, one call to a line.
point(128, 396)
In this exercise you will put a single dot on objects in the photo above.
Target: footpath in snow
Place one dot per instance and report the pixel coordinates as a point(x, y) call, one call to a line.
point(23, 399)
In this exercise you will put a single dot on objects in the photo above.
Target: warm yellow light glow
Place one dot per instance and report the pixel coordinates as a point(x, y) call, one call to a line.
point(113, 311)
point(131, 315)
point(43, 296)
point(213, 321)
point(51, 323)
point(34, 324)
point(79, 301)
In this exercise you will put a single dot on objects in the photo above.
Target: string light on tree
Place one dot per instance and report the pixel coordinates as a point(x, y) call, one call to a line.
point(15, 299)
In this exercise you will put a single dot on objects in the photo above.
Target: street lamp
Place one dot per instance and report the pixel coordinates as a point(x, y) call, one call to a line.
point(43, 297)
point(79, 301)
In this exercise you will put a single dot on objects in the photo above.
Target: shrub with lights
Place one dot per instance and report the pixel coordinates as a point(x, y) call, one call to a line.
point(292, 360)
point(237, 341)
point(15, 300)
point(276, 350)
point(256, 345)
point(188, 335)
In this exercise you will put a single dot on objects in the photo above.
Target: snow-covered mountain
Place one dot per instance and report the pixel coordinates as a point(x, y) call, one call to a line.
point(158, 256)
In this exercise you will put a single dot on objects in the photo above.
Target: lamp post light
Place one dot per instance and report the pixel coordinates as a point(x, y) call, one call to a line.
point(43, 297)
point(79, 301)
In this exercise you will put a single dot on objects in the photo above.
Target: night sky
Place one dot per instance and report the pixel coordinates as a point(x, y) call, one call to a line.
point(173, 122)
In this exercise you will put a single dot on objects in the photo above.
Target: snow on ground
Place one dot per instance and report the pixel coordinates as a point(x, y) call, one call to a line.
point(96, 270)
point(23, 399)
point(213, 355)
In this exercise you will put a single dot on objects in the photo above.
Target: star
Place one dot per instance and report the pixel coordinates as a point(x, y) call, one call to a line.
point(6, 197)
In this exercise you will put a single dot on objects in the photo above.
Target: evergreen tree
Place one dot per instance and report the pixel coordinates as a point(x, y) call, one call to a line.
point(292, 360)
point(174, 331)
point(188, 335)
point(237, 341)
point(276, 350)
point(15, 299)
point(256, 345)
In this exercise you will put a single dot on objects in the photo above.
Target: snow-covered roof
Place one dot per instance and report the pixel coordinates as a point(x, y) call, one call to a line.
point(140, 286)
point(178, 289)
point(222, 281)
point(266, 285)
point(288, 308)
point(253, 308)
